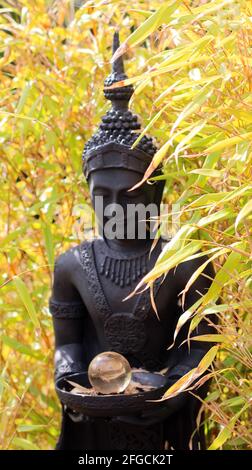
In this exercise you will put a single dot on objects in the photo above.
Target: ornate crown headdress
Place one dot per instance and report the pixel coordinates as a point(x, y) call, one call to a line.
point(110, 146)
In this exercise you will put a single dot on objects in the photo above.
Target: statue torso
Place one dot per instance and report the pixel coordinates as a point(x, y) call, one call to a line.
point(103, 278)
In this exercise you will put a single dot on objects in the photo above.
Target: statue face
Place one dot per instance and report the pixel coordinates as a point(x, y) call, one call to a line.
point(119, 210)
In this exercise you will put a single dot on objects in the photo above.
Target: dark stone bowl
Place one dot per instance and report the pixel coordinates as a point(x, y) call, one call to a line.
point(114, 404)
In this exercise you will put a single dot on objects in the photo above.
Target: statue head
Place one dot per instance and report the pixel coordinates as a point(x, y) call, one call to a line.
point(112, 167)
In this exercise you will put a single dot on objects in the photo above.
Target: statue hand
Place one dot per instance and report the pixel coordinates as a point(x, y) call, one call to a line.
point(156, 414)
point(68, 360)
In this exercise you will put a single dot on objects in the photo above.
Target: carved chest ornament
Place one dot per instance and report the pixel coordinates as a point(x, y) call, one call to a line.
point(125, 332)
point(124, 271)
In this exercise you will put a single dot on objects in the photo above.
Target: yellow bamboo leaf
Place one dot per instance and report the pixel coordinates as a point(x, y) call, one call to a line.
point(207, 360)
point(207, 172)
point(215, 338)
point(196, 103)
point(184, 382)
point(145, 29)
point(180, 385)
point(158, 157)
point(149, 125)
point(201, 268)
point(171, 262)
point(183, 319)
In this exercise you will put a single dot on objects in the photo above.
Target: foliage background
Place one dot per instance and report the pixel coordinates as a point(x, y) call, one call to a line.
point(191, 64)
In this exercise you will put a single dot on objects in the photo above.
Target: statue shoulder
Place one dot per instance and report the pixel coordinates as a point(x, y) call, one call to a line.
point(67, 265)
point(68, 261)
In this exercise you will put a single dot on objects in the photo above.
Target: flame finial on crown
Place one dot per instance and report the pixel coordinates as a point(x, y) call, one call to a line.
point(119, 127)
point(118, 96)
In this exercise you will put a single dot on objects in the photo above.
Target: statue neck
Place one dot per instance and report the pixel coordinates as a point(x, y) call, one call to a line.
point(129, 245)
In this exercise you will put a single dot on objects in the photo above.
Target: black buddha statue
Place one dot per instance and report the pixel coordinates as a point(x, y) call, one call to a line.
point(92, 280)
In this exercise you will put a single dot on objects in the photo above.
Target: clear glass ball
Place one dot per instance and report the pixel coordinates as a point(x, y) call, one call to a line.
point(109, 372)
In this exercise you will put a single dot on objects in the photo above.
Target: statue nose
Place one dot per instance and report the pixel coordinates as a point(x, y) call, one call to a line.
point(113, 208)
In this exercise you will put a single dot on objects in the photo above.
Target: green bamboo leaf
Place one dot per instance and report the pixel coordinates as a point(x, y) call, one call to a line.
point(177, 241)
point(222, 437)
point(184, 318)
point(243, 213)
point(220, 198)
point(158, 157)
point(24, 96)
point(26, 299)
point(208, 199)
point(209, 219)
point(222, 276)
point(31, 427)
point(185, 141)
point(23, 116)
point(13, 235)
point(24, 444)
point(226, 433)
point(49, 246)
point(211, 7)
point(236, 401)
point(20, 347)
point(226, 143)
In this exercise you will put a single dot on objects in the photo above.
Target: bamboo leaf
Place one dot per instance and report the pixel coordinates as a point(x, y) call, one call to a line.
point(158, 157)
point(222, 437)
point(49, 246)
point(214, 338)
point(27, 301)
point(207, 172)
point(196, 103)
point(225, 433)
point(222, 276)
point(22, 348)
point(31, 427)
point(24, 444)
point(226, 143)
point(183, 319)
point(245, 211)
point(171, 262)
point(207, 360)
point(198, 271)
point(184, 382)
point(180, 385)
point(24, 97)
point(160, 16)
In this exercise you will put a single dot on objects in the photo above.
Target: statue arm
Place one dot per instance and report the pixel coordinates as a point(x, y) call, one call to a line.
point(68, 312)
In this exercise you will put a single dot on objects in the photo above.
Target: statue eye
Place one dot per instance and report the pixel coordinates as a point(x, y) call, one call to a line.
point(101, 192)
point(133, 194)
